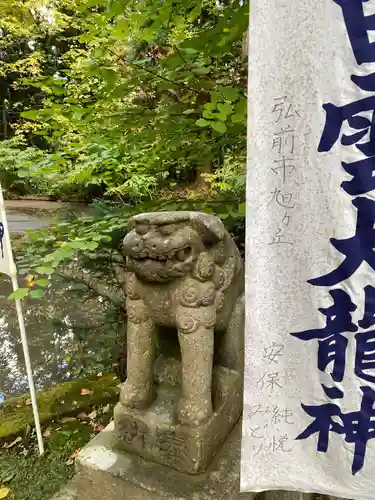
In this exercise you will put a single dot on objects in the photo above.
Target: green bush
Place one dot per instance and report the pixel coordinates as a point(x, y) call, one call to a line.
point(17, 164)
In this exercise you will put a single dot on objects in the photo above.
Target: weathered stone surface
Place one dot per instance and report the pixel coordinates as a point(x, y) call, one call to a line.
point(285, 495)
point(104, 472)
point(229, 348)
point(155, 435)
point(69, 492)
point(185, 277)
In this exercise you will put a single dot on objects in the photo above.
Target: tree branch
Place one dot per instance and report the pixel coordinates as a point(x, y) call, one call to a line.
point(121, 59)
point(112, 293)
point(190, 69)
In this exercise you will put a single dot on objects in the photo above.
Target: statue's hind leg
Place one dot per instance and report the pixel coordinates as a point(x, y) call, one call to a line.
point(231, 346)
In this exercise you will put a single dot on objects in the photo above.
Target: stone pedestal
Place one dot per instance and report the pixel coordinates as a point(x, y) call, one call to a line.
point(155, 435)
point(68, 492)
point(104, 472)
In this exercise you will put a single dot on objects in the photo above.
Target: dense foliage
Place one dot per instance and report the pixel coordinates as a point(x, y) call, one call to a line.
point(141, 105)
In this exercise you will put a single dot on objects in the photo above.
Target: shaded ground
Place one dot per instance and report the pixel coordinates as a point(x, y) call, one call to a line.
point(19, 223)
point(24, 214)
point(29, 205)
point(28, 476)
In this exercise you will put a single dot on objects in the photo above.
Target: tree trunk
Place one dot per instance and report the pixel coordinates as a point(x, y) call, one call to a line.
point(245, 44)
point(201, 183)
point(4, 120)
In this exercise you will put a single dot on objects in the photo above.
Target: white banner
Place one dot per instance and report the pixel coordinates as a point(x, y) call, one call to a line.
point(6, 257)
point(309, 404)
point(7, 266)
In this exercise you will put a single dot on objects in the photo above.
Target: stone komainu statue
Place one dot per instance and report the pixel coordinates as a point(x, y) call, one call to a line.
point(183, 271)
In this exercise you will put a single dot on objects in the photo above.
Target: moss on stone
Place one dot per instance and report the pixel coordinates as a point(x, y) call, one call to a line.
point(59, 401)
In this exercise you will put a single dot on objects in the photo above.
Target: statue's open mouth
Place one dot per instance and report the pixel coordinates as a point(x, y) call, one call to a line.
point(180, 254)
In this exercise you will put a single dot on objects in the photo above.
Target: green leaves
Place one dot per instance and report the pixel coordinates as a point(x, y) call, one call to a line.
point(30, 115)
point(230, 93)
point(67, 249)
point(110, 76)
point(238, 118)
point(225, 109)
point(217, 112)
point(219, 127)
point(42, 283)
point(19, 294)
point(44, 270)
point(31, 291)
point(240, 112)
point(142, 95)
point(201, 71)
point(23, 173)
point(202, 122)
point(37, 294)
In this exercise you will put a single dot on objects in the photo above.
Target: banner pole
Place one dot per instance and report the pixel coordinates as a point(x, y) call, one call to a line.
point(25, 347)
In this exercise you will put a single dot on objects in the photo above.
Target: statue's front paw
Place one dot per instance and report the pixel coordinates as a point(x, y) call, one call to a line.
point(136, 396)
point(193, 413)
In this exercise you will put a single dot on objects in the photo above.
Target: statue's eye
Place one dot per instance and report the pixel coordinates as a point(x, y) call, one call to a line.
point(142, 228)
point(183, 254)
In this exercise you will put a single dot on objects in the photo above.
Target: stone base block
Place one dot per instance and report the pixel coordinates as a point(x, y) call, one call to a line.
point(68, 492)
point(106, 473)
point(154, 434)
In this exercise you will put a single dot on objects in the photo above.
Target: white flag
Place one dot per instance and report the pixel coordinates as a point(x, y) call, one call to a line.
point(7, 266)
point(309, 403)
point(6, 258)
